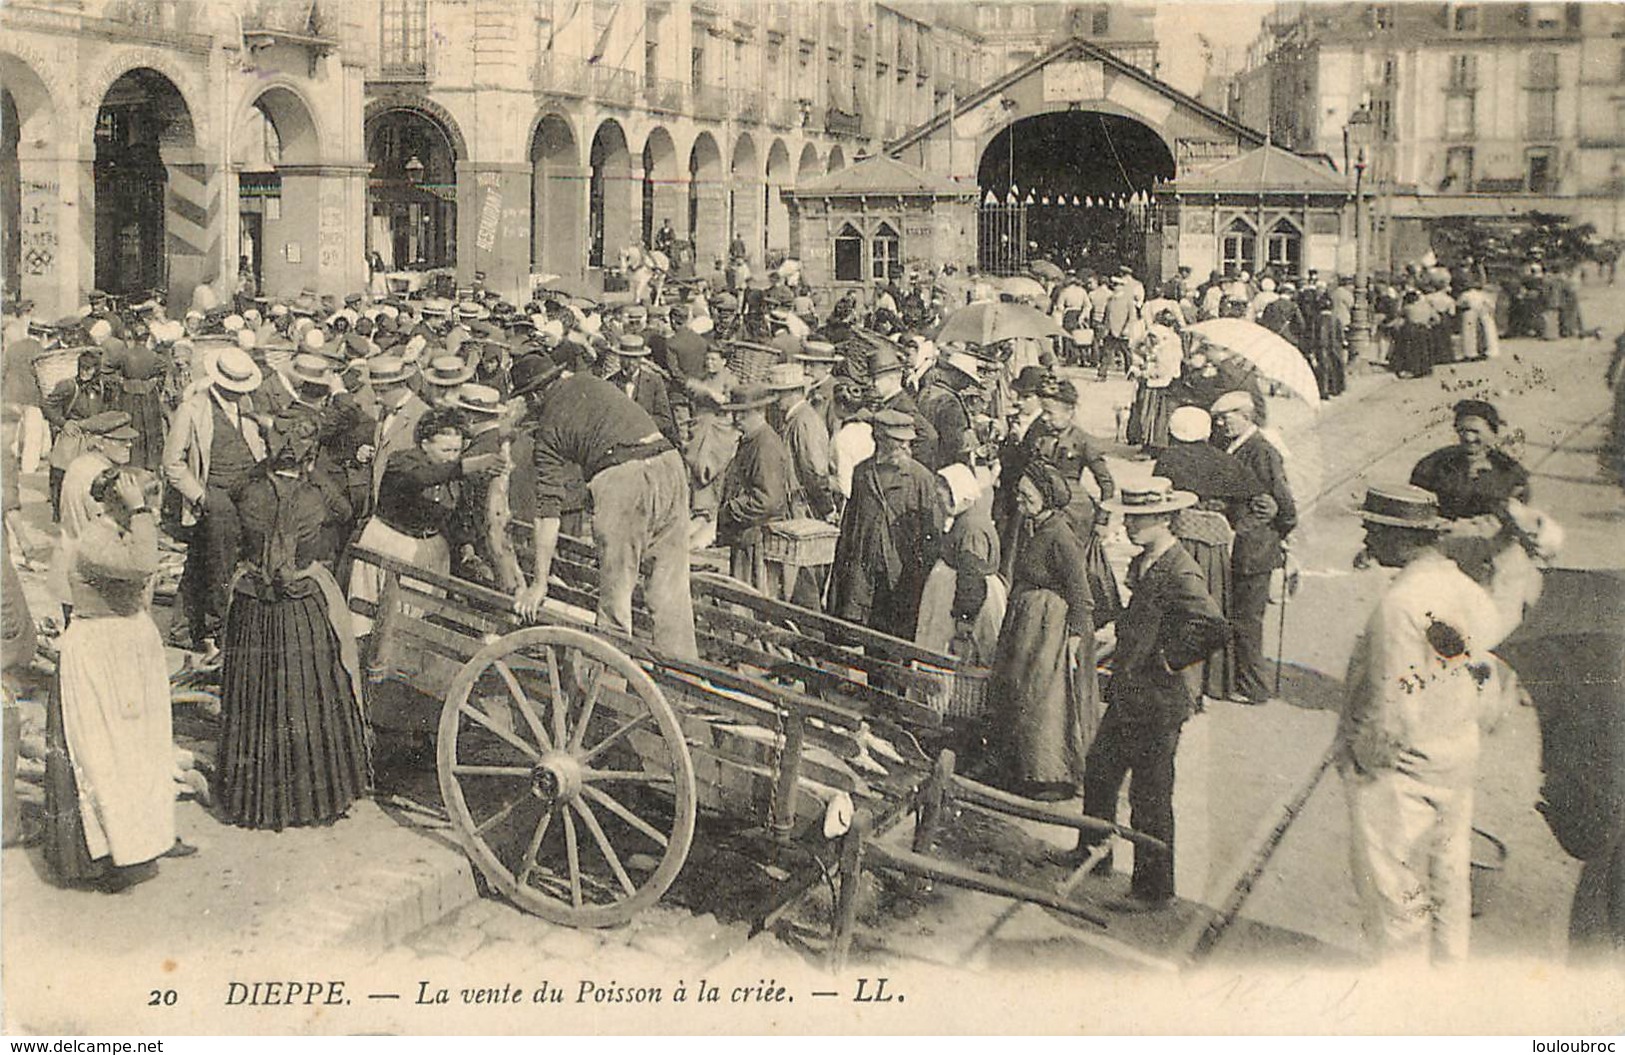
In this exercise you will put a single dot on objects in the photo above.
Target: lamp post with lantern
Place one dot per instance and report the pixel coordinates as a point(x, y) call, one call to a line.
point(1360, 337)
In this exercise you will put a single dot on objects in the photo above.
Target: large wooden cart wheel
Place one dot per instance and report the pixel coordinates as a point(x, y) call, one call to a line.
point(566, 776)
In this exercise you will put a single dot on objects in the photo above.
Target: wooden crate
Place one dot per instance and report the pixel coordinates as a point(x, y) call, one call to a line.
point(800, 543)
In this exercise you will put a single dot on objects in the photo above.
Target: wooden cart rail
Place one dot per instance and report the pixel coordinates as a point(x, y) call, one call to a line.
point(560, 728)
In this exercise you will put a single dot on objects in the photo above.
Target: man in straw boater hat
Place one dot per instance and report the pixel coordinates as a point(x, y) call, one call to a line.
point(756, 488)
point(639, 489)
point(806, 437)
point(1170, 625)
point(889, 533)
point(1408, 740)
point(398, 412)
point(212, 448)
point(627, 367)
point(487, 554)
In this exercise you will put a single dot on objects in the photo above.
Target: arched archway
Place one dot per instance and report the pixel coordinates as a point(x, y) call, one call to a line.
point(1039, 166)
point(837, 159)
point(154, 203)
point(707, 205)
point(31, 261)
point(662, 179)
point(808, 168)
point(555, 198)
point(776, 231)
point(413, 188)
point(610, 205)
point(746, 218)
point(273, 208)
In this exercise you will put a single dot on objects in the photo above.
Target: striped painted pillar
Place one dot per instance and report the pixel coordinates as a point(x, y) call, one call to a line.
point(193, 222)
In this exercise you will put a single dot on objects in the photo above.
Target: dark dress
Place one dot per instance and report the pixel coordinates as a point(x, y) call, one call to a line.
point(1462, 494)
point(1073, 451)
point(292, 741)
point(137, 388)
point(1044, 695)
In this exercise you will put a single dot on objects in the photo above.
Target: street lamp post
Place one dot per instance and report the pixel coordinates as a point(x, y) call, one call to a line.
point(1360, 343)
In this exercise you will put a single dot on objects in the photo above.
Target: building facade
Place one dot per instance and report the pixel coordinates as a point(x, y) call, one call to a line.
point(1476, 108)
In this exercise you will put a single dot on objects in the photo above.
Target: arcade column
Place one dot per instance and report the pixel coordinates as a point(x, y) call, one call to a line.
point(317, 238)
point(749, 220)
point(193, 222)
point(710, 233)
point(47, 216)
point(559, 221)
point(494, 225)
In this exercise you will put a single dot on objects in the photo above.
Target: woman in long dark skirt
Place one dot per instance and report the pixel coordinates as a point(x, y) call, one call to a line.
point(1066, 447)
point(293, 747)
point(1043, 688)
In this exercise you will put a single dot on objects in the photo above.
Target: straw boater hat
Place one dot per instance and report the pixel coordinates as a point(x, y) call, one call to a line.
point(786, 377)
point(818, 352)
point(633, 345)
point(478, 399)
point(1148, 498)
point(749, 397)
point(1235, 400)
point(233, 370)
point(389, 370)
point(1402, 506)
point(447, 371)
point(310, 370)
point(437, 306)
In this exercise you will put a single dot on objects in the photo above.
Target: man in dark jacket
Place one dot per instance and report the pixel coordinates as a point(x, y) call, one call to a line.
point(945, 403)
point(755, 488)
point(889, 534)
point(640, 379)
point(1259, 547)
point(886, 375)
point(81, 396)
point(1171, 625)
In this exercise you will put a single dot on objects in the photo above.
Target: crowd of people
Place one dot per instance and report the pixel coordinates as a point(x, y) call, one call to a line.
point(275, 438)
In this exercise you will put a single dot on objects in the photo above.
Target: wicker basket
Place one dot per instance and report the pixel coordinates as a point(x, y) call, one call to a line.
point(959, 693)
point(751, 362)
point(800, 543)
point(54, 367)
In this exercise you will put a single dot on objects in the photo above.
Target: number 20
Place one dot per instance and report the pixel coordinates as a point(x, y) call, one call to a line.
point(161, 998)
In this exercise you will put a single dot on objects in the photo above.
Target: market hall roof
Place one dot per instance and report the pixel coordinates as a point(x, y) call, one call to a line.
point(1266, 168)
point(881, 176)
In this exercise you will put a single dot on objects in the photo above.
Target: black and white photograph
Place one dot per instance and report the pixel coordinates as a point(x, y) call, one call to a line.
point(808, 517)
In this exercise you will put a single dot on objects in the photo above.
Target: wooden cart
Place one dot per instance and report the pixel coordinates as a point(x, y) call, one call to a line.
point(573, 760)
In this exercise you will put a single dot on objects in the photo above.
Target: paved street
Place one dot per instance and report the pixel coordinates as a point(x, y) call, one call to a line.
point(386, 885)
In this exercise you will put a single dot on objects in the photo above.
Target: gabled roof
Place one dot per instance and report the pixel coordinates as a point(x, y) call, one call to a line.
point(881, 176)
point(1266, 168)
point(1080, 48)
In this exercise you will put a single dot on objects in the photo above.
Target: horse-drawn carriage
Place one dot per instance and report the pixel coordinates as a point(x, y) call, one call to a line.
point(574, 760)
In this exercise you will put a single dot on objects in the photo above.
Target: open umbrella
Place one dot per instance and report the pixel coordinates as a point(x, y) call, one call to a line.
point(990, 322)
point(1045, 269)
point(1273, 354)
point(1021, 287)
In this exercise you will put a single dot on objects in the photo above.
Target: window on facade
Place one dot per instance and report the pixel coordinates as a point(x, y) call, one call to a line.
point(849, 255)
point(1546, 16)
point(1390, 71)
point(1463, 71)
point(1539, 169)
point(1458, 116)
point(1465, 19)
point(1382, 119)
point(404, 27)
point(1542, 114)
point(1100, 22)
point(1382, 16)
point(1283, 249)
point(651, 54)
point(1543, 69)
point(885, 261)
point(1458, 169)
point(1237, 248)
point(696, 67)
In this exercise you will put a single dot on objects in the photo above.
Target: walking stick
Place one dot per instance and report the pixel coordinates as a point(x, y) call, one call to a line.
point(1288, 588)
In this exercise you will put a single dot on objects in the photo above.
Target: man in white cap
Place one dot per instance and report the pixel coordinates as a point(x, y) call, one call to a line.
point(1408, 740)
point(1260, 544)
point(1170, 625)
point(213, 446)
point(946, 403)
